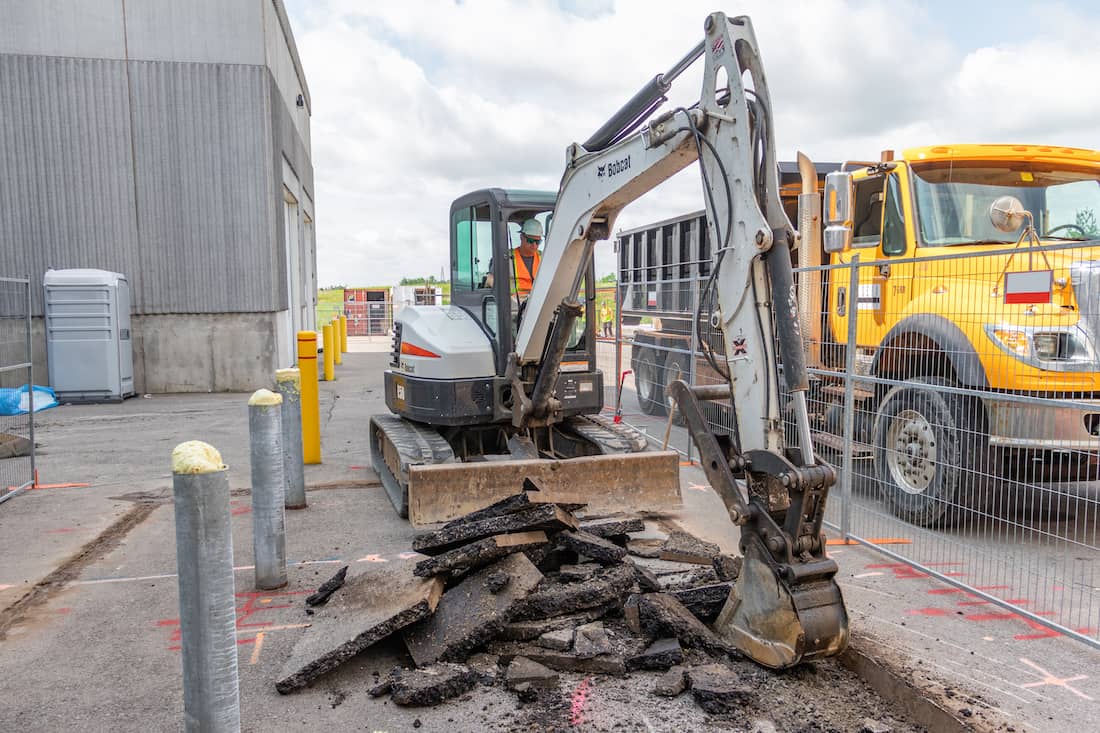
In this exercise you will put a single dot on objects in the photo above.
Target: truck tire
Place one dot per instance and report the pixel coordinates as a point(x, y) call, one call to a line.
point(649, 381)
point(927, 444)
point(677, 366)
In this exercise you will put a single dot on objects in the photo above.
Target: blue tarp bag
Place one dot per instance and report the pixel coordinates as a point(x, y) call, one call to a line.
point(17, 401)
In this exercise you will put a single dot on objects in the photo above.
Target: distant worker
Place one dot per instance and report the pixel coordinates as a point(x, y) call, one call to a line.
point(526, 258)
point(606, 314)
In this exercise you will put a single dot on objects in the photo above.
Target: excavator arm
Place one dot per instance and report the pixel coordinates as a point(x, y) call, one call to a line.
point(786, 606)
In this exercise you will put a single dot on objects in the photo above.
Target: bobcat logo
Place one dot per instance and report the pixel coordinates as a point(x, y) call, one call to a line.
point(601, 170)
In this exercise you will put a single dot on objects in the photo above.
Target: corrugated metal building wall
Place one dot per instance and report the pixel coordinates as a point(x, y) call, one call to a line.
point(164, 157)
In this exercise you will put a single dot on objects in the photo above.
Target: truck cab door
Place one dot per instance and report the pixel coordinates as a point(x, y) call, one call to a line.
point(879, 236)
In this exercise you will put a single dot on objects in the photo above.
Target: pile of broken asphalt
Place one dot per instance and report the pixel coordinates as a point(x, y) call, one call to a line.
point(515, 593)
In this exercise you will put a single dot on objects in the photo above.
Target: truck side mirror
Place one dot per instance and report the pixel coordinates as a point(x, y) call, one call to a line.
point(839, 211)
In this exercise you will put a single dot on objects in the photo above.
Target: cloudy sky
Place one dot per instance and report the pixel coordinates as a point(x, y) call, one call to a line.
point(416, 102)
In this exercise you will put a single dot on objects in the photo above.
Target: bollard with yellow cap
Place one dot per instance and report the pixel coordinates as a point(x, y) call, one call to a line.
point(343, 333)
point(337, 356)
point(330, 369)
point(311, 406)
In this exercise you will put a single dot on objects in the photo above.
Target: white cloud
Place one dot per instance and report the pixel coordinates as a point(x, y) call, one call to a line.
point(416, 103)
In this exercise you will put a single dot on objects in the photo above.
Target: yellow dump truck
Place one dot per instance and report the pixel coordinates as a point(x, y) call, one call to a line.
point(977, 312)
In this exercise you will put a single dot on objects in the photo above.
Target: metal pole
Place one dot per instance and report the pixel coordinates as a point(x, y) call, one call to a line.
point(288, 383)
point(618, 342)
point(208, 616)
point(265, 430)
point(30, 378)
point(849, 399)
point(693, 378)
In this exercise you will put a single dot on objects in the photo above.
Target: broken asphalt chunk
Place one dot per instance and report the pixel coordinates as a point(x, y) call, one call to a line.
point(717, 689)
point(533, 629)
point(600, 550)
point(330, 586)
point(726, 567)
point(470, 614)
point(357, 617)
point(684, 547)
point(661, 654)
point(612, 526)
point(432, 685)
point(671, 683)
point(591, 640)
point(560, 640)
point(547, 517)
point(561, 661)
point(609, 586)
point(480, 553)
point(705, 601)
point(662, 615)
point(524, 671)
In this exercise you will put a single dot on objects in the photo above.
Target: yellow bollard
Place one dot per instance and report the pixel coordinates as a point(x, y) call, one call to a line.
point(343, 333)
point(311, 406)
point(337, 356)
point(330, 368)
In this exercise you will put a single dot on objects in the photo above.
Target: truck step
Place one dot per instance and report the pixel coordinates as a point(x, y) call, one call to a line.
point(837, 390)
point(836, 443)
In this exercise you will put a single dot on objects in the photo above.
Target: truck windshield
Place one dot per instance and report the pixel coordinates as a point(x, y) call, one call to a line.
point(953, 201)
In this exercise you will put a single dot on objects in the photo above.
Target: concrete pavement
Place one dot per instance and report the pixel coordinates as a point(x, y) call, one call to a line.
point(97, 647)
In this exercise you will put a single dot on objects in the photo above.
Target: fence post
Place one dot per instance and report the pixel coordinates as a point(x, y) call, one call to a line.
point(207, 605)
point(288, 382)
point(343, 333)
point(849, 399)
point(265, 432)
point(330, 369)
point(311, 408)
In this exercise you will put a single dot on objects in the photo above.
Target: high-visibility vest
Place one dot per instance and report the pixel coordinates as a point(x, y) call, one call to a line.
point(524, 279)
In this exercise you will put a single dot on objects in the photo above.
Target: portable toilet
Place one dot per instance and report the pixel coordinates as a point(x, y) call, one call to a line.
point(88, 344)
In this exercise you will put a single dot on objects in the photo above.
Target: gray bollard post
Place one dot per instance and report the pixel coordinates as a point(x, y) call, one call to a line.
point(265, 430)
point(288, 382)
point(208, 614)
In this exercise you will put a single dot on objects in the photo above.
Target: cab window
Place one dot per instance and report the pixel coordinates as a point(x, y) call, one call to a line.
point(473, 252)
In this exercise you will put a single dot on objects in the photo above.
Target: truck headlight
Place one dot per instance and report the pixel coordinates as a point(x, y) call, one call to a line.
point(1059, 349)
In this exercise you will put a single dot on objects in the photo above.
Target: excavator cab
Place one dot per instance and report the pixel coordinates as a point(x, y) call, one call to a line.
point(485, 233)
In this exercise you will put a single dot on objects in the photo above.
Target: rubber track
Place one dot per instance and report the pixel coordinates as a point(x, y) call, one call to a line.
point(604, 433)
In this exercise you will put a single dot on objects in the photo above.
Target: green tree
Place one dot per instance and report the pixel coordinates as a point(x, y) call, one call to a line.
point(1086, 220)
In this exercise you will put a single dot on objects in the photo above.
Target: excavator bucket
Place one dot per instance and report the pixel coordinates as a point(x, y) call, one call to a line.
point(777, 624)
point(631, 482)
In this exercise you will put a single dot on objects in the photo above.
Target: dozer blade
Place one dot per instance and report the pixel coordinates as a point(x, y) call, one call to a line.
point(779, 625)
point(648, 481)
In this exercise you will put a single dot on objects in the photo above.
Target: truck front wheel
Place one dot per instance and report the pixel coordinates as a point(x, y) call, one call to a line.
point(924, 441)
point(649, 382)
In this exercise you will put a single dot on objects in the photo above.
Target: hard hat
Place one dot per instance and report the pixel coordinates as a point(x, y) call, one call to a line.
point(532, 228)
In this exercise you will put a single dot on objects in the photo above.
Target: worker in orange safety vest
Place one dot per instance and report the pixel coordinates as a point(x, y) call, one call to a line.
point(526, 258)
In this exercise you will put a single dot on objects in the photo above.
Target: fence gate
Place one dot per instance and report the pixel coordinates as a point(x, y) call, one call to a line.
point(16, 388)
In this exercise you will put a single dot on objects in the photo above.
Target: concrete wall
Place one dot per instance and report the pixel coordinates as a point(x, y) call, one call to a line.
point(222, 352)
point(228, 352)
